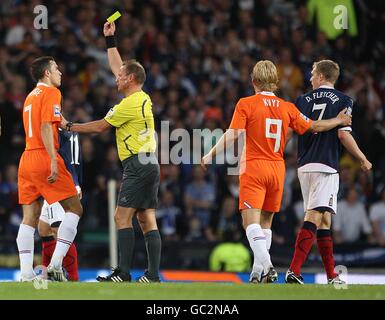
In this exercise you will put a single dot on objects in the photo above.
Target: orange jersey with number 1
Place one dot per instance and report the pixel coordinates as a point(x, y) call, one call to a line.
point(266, 120)
point(42, 105)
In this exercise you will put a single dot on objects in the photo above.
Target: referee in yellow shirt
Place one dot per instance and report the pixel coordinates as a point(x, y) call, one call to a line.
point(134, 123)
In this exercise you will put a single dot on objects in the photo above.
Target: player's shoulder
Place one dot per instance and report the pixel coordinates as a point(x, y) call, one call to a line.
point(247, 100)
point(343, 96)
point(52, 91)
point(138, 97)
point(304, 97)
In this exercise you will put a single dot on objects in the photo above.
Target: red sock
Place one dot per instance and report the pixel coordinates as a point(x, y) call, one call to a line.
point(305, 240)
point(325, 248)
point(48, 247)
point(70, 263)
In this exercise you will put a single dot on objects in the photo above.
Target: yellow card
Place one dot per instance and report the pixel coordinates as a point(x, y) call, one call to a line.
point(114, 17)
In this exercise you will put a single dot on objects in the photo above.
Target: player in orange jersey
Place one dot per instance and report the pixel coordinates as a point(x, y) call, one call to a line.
point(265, 119)
point(42, 172)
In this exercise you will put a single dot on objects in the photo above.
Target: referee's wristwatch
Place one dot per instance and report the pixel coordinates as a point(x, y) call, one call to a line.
point(69, 125)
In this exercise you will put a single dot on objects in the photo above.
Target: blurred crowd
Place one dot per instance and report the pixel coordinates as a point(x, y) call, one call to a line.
point(198, 55)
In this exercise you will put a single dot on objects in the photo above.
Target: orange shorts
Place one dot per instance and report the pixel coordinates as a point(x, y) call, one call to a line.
point(261, 185)
point(34, 169)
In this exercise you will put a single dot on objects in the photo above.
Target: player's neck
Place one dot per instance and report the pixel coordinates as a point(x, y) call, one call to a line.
point(46, 82)
point(132, 90)
point(326, 84)
point(257, 90)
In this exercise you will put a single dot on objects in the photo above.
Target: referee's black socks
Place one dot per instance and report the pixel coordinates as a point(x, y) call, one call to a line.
point(126, 243)
point(154, 247)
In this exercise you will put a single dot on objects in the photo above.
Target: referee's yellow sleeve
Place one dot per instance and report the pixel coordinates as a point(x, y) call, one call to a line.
point(119, 114)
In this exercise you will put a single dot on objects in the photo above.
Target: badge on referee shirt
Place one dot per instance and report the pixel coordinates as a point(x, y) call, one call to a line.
point(110, 113)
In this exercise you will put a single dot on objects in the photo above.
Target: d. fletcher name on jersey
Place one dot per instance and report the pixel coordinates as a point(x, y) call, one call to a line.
point(323, 94)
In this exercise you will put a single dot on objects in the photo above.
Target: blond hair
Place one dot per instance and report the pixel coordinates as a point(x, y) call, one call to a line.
point(329, 69)
point(265, 76)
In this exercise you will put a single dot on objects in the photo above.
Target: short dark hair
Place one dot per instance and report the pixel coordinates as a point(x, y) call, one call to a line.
point(329, 69)
point(134, 67)
point(39, 66)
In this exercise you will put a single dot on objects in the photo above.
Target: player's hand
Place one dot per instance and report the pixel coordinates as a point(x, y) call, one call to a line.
point(63, 123)
point(346, 119)
point(54, 172)
point(366, 165)
point(205, 161)
point(109, 29)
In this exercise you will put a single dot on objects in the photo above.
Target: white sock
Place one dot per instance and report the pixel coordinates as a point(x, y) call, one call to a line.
point(25, 245)
point(257, 241)
point(65, 236)
point(268, 235)
point(258, 268)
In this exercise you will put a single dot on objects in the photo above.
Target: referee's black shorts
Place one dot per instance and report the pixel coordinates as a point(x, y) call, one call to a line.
point(140, 184)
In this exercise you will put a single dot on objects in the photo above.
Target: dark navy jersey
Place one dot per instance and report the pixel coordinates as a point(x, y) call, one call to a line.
point(323, 147)
point(71, 154)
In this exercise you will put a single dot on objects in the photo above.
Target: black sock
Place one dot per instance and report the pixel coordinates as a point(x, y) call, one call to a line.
point(153, 246)
point(126, 243)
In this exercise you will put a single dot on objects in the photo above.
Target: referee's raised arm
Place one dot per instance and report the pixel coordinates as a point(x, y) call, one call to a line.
point(114, 58)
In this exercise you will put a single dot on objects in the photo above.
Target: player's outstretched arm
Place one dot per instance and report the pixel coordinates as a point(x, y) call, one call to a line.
point(114, 58)
point(350, 144)
point(342, 119)
point(47, 137)
point(97, 126)
point(227, 140)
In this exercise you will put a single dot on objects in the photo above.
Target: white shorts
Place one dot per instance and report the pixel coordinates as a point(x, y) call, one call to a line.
point(319, 190)
point(52, 213)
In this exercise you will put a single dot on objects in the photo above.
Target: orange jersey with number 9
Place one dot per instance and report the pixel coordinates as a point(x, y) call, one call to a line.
point(266, 119)
point(41, 105)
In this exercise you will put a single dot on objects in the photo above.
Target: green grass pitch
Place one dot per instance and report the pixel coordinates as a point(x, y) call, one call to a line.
point(187, 291)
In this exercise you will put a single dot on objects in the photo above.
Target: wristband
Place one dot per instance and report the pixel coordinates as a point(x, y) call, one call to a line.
point(69, 125)
point(110, 42)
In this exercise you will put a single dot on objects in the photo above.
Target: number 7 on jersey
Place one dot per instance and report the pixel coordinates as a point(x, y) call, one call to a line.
point(29, 110)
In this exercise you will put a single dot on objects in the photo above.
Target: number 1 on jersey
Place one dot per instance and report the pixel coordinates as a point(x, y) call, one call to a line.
point(74, 149)
point(276, 135)
point(29, 110)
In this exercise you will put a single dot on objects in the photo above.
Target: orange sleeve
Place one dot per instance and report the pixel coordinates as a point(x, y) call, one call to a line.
point(239, 117)
point(51, 106)
point(298, 121)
